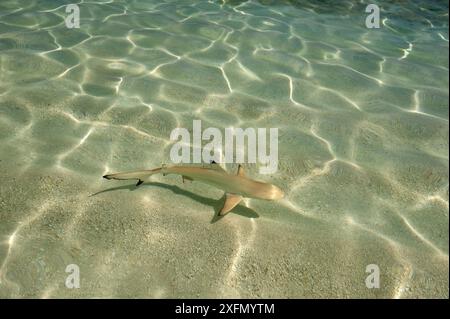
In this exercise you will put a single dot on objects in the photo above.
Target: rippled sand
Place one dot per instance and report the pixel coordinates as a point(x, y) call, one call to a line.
point(363, 148)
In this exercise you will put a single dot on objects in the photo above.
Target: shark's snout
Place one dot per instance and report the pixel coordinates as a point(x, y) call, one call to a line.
point(273, 193)
point(277, 193)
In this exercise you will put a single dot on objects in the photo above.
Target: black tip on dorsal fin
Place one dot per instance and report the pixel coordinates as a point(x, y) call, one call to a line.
point(139, 182)
point(241, 171)
point(213, 162)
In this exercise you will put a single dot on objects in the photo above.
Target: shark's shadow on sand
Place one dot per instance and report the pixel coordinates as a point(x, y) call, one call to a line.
point(217, 204)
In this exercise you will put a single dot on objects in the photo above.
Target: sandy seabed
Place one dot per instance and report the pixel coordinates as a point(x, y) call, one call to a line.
point(363, 149)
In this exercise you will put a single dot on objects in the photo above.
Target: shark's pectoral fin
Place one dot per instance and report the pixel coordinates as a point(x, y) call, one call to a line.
point(230, 202)
point(185, 178)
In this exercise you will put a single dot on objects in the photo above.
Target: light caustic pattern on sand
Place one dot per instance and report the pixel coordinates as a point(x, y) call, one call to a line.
point(363, 148)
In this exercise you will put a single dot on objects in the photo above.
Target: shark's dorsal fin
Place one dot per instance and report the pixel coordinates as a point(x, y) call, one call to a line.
point(216, 166)
point(230, 202)
point(241, 171)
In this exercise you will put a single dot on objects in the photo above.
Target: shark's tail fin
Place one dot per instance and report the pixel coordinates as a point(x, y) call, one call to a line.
point(141, 176)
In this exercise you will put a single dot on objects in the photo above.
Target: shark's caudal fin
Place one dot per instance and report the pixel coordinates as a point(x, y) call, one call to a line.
point(141, 176)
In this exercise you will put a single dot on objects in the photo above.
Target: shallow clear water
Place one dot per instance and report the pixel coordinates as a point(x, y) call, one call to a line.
point(363, 148)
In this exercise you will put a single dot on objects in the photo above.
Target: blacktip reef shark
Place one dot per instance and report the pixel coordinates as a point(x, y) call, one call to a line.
point(236, 187)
